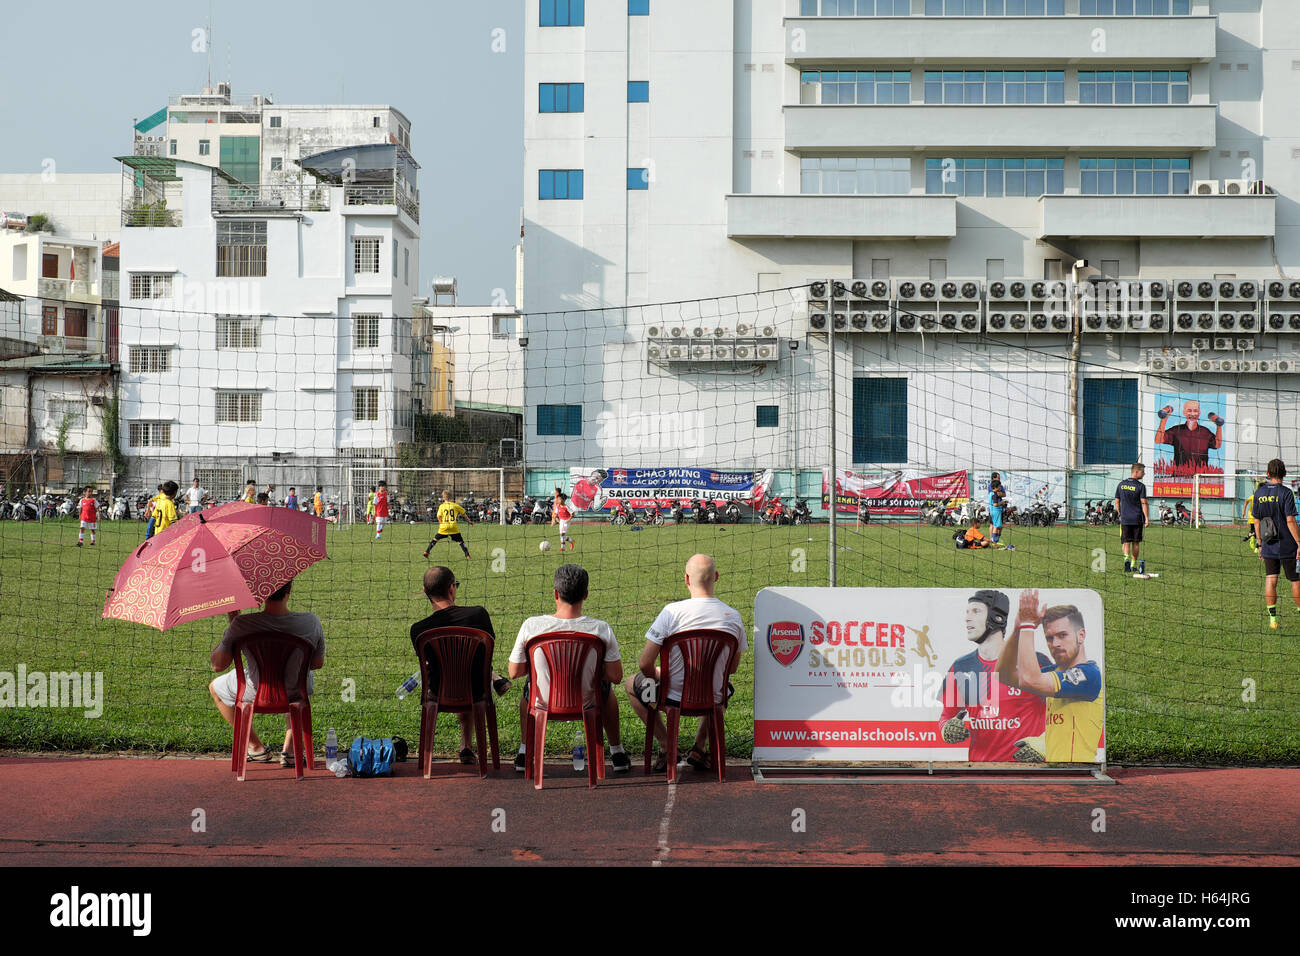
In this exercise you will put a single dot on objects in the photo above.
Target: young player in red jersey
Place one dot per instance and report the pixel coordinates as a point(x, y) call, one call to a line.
point(561, 515)
point(89, 517)
point(381, 508)
point(977, 706)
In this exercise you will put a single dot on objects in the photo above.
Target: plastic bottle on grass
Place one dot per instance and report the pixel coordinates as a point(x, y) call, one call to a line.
point(408, 685)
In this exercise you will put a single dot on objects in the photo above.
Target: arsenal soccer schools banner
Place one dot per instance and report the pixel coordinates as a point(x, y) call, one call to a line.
point(899, 493)
point(594, 488)
point(902, 675)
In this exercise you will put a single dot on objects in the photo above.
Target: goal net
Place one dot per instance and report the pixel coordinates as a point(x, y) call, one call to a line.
point(414, 494)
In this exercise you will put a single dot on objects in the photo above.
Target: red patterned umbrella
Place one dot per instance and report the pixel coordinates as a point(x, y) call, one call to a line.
point(223, 559)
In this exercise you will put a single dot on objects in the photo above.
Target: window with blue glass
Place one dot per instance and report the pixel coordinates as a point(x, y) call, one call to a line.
point(559, 419)
point(562, 13)
point(559, 97)
point(879, 420)
point(638, 179)
point(1134, 86)
point(559, 184)
point(638, 8)
point(863, 88)
point(769, 416)
point(855, 8)
point(1135, 176)
point(638, 91)
point(994, 86)
point(1004, 176)
point(1110, 420)
point(1135, 8)
point(995, 8)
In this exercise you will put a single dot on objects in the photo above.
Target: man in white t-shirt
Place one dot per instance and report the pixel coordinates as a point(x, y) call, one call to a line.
point(194, 496)
point(700, 610)
point(570, 584)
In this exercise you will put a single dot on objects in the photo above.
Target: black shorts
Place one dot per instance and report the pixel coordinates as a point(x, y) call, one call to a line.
point(454, 537)
point(1284, 565)
point(1130, 533)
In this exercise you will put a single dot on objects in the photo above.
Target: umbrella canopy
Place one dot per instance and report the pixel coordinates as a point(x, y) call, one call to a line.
point(223, 559)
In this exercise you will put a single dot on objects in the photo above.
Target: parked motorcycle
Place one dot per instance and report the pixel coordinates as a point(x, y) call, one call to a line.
point(801, 514)
point(677, 512)
point(652, 515)
point(731, 513)
point(711, 512)
point(619, 515)
point(516, 514)
point(864, 513)
point(698, 511)
point(120, 511)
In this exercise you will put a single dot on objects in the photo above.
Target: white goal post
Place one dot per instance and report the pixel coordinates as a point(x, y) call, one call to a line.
point(422, 487)
point(1236, 493)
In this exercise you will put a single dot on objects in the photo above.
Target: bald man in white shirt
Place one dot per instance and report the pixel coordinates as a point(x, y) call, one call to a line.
point(700, 610)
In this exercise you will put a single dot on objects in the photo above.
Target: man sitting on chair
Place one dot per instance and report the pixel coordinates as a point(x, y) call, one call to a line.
point(274, 616)
point(700, 610)
point(440, 587)
point(570, 587)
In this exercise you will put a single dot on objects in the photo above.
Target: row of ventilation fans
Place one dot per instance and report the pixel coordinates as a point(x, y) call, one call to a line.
point(1161, 363)
point(668, 352)
point(1026, 290)
point(693, 333)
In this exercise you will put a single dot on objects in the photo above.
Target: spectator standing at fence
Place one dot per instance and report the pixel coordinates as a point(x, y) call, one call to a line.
point(700, 610)
point(194, 496)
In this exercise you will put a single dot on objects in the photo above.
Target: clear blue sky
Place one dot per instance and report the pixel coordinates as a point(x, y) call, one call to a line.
point(75, 75)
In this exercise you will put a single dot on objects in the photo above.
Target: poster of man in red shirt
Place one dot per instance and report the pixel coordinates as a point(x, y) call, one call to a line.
point(1190, 439)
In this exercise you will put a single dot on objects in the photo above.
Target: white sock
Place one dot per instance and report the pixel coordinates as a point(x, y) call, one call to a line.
point(616, 748)
point(523, 749)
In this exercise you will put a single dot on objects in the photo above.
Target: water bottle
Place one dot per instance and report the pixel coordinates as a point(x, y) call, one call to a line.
point(408, 685)
point(331, 749)
point(579, 751)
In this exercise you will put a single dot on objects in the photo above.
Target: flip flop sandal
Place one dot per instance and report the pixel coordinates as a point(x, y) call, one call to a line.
point(264, 757)
point(660, 765)
point(698, 760)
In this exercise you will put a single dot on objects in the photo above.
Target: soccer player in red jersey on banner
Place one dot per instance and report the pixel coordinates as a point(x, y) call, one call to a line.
point(587, 493)
point(561, 515)
point(977, 706)
point(381, 508)
point(89, 517)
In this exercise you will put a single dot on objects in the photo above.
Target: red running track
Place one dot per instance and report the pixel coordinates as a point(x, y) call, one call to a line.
point(113, 811)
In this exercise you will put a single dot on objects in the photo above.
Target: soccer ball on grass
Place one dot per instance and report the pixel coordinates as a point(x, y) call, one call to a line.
point(544, 546)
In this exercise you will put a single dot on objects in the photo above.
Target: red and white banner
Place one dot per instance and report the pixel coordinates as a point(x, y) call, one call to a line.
point(899, 493)
point(916, 674)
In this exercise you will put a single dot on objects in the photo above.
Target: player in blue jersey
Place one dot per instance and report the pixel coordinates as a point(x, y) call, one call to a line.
point(1273, 514)
point(997, 504)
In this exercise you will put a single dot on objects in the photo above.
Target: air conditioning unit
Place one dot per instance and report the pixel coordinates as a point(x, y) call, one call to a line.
point(1227, 322)
point(655, 332)
point(1054, 289)
point(1185, 363)
point(1184, 322)
point(1247, 289)
point(765, 332)
point(1205, 187)
point(744, 353)
point(1236, 187)
point(1058, 321)
point(1284, 322)
point(1245, 345)
point(928, 291)
point(1248, 365)
point(744, 330)
point(1157, 322)
point(1282, 366)
point(1018, 322)
point(1266, 366)
point(929, 322)
point(721, 333)
point(699, 332)
point(876, 289)
point(701, 353)
point(819, 321)
point(969, 321)
point(1223, 345)
point(1206, 365)
point(1206, 321)
point(1094, 322)
point(1140, 321)
point(1158, 363)
point(948, 321)
point(997, 322)
point(841, 321)
point(907, 322)
point(817, 290)
point(880, 321)
point(722, 353)
point(1283, 290)
point(1226, 365)
point(838, 289)
point(765, 352)
point(907, 290)
point(654, 351)
point(1248, 321)
point(677, 332)
point(965, 291)
point(1201, 345)
point(678, 353)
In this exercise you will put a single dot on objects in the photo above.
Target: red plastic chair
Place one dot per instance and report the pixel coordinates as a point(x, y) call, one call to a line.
point(271, 651)
point(705, 653)
point(454, 648)
point(566, 654)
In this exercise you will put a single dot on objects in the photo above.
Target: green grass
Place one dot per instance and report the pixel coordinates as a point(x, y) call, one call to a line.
point(1177, 649)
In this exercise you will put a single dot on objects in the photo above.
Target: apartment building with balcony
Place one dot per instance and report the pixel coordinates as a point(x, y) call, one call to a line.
point(59, 278)
point(679, 152)
point(266, 322)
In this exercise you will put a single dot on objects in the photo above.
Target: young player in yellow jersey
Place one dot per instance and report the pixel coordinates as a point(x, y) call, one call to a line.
point(449, 514)
point(164, 509)
point(1074, 728)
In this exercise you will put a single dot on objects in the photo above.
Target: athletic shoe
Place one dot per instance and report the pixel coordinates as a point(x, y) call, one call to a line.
point(521, 764)
point(621, 761)
point(286, 759)
point(502, 684)
point(1272, 622)
point(78, 544)
point(426, 554)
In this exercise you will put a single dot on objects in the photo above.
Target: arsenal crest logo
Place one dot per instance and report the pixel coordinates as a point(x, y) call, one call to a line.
point(785, 641)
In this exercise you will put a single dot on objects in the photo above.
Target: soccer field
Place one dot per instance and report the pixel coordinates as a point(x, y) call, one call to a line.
point(1193, 672)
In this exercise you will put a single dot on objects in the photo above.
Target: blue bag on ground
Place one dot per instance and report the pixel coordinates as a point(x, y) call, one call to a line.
point(370, 758)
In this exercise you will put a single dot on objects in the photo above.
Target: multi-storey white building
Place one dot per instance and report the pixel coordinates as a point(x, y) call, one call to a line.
point(268, 322)
point(79, 205)
point(678, 151)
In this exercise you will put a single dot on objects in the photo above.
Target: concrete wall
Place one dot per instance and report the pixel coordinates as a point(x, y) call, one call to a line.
point(81, 205)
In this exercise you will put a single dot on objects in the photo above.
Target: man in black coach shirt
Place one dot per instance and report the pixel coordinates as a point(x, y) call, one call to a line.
point(1274, 504)
point(1131, 503)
